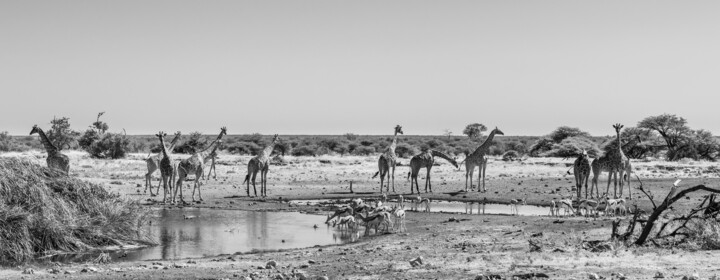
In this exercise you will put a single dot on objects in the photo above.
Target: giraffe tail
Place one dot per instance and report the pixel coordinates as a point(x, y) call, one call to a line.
point(247, 177)
point(408, 177)
point(376, 173)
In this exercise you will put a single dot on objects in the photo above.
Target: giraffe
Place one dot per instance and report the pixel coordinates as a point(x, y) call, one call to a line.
point(213, 157)
point(477, 158)
point(153, 162)
point(387, 161)
point(195, 164)
point(425, 159)
point(55, 159)
point(615, 163)
point(260, 163)
point(167, 168)
point(581, 169)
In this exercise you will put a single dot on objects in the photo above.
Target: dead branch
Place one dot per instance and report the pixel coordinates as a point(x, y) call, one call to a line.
point(669, 200)
point(650, 197)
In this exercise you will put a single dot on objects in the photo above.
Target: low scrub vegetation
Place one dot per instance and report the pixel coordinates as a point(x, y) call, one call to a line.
point(44, 211)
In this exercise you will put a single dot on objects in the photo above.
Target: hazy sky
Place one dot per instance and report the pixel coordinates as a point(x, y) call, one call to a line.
point(331, 67)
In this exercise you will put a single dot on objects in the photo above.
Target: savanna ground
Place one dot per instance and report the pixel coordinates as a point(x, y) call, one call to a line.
point(478, 244)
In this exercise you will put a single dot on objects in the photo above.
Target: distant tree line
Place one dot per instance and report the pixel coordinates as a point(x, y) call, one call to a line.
point(664, 135)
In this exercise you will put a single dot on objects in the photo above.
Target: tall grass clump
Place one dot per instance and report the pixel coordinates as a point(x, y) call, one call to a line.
point(44, 211)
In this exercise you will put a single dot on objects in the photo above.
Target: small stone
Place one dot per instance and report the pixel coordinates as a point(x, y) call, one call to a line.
point(54, 271)
point(312, 262)
point(322, 278)
point(28, 271)
point(593, 276)
point(89, 269)
point(70, 271)
point(659, 275)
point(300, 275)
point(271, 264)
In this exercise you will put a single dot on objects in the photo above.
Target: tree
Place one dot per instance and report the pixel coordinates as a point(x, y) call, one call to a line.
point(672, 129)
point(447, 133)
point(101, 144)
point(560, 133)
point(474, 130)
point(60, 133)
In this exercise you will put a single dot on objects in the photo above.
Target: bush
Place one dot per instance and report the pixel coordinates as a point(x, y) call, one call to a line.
point(571, 147)
point(405, 151)
point(8, 144)
point(351, 136)
point(563, 132)
point(364, 151)
point(43, 210)
point(304, 151)
point(60, 133)
point(510, 155)
point(244, 148)
point(196, 143)
point(541, 146)
point(100, 144)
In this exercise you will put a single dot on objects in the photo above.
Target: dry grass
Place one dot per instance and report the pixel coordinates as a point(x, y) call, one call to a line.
point(43, 211)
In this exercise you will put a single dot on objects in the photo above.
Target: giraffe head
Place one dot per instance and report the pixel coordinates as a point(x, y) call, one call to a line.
point(498, 131)
point(34, 130)
point(398, 129)
point(275, 138)
point(178, 133)
point(617, 127)
point(161, 134)
point(223, 131)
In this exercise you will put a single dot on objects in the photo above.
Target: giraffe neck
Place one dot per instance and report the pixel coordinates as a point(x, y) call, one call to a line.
point(619, 147)
point(393, 145)
point(485, 145)
point(214, 142)
point(164, 149)
point(269, 148)
point(49, 147)
point(207, 156)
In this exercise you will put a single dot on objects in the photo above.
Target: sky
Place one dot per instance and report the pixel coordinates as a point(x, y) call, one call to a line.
point(333, 67)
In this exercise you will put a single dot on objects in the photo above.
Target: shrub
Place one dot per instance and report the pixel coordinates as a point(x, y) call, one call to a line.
point(364, 151)
point(100, 144)
point(563, 132)
point(196, 142)
point(571, 147)
point(304, 151)
point(510, 155)
point(541, 146)
point(351, 136)
point(60, 133)
point(43, 210)
point(244, 148)
point(405, 151)
point(7, 143)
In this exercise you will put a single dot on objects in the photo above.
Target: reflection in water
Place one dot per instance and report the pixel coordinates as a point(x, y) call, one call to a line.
point(197, 232)
point(486, 208)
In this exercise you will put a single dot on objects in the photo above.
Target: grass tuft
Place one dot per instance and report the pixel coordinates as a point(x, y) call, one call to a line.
point(44, 211)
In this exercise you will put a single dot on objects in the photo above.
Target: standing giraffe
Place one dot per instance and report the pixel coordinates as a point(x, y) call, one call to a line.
point(260, 163)
point(153, 162)
point(581, 169)
point(388, 160)
point(477, 158)
point(55, 159)
point(213, 157)
point(167, 169)
point(195, 164)
point(425, 159)
point(615, 163)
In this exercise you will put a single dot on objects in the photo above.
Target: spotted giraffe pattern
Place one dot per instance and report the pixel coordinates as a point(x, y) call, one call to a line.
point(615, 163)
point(260, 163)
point(195, 165)
point(477, 158)
point(153, 164)
point(581, 169)
point(387, 163)
point(426, 160)
point(55, 159)
point(167, 169)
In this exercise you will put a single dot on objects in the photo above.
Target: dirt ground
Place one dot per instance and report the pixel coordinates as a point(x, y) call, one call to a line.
point(464, 249)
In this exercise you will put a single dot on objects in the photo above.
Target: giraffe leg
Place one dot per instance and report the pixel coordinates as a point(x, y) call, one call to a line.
point(264, 183)
point(253, 182)
point(427, 179)
point(484, 166)
point(621, 178)
point(165, 185)
point(393, 178)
